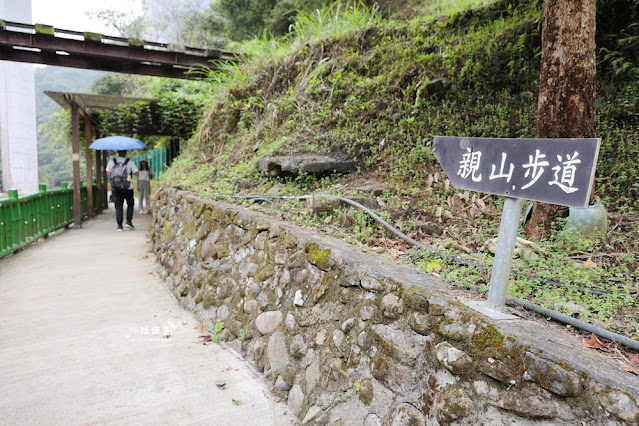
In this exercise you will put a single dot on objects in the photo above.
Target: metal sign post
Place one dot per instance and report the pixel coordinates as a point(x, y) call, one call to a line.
point(504, 254)
point(557, 171)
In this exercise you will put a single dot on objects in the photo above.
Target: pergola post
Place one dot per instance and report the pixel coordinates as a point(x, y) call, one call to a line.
point(89, 168)
point(105, 179)
point(99, 203)
point(75, 157)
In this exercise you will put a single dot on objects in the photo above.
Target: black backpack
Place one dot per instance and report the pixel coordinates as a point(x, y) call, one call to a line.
point(119, 178)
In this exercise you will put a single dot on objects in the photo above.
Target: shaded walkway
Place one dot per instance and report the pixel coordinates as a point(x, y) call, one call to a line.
point(82, 319)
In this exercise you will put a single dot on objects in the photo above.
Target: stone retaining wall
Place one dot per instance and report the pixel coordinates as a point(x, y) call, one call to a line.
point(349, 338)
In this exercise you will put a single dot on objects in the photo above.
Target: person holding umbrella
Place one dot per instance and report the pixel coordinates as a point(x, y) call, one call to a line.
point(119, 169)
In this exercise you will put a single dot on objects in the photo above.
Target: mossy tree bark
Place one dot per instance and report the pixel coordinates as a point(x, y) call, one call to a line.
point(566, 85)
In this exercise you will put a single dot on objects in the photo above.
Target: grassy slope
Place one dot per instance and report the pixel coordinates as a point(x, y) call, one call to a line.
point(363, 95)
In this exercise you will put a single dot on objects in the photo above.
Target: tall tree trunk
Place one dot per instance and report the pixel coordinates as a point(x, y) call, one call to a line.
point(566, 85)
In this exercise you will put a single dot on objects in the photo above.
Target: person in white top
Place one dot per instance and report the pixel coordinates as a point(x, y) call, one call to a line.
point(124, 194)
point(144, 186)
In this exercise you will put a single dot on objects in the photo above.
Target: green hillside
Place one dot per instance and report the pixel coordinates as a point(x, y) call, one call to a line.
point(364, 94)
point(352, 84)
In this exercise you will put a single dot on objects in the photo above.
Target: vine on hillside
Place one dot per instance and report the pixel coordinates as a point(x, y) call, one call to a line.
point(174, 115)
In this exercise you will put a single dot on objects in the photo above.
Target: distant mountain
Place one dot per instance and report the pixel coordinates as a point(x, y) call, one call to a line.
point(59, 79)
point(54, 162)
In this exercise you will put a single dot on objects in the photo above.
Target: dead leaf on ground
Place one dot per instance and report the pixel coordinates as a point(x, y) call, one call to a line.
point(590, 264)
point(433, 266)
point(206, 340)
point(395, 254)
point(634, 359)
point(594, 343)
point(454, 201)
point(480, 203)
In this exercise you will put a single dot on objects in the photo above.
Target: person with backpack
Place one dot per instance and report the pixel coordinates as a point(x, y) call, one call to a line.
point(120, 169)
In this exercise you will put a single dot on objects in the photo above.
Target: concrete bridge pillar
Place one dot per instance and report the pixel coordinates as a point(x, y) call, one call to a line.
point(18, 136)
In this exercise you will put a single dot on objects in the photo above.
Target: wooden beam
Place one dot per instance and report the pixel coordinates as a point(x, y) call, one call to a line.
point(89, 166)
point(87, 62)
point(75, 158)
point(105, 50)
point(101, 38)
point(154, 59)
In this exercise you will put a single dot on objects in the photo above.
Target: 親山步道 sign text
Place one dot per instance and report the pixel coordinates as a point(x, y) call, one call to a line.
point(556, 171)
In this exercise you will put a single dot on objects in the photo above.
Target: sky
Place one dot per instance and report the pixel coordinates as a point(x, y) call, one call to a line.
point(71, 14)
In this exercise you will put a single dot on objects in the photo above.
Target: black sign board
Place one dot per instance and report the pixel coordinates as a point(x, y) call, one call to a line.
point(556, 171)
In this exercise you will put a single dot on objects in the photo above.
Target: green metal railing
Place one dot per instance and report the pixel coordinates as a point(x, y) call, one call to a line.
point(25, 219)
point(157, 161)
point(84, 196)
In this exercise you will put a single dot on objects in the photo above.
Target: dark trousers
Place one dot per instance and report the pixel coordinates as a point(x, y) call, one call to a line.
point(118, 198)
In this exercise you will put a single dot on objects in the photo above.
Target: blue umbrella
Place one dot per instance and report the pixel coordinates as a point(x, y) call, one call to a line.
point(117, 143)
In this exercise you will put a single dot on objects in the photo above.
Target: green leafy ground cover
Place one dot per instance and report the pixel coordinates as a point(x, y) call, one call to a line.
point(351, 84)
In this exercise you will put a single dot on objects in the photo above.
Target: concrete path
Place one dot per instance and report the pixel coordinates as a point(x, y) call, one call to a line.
point(82, 320)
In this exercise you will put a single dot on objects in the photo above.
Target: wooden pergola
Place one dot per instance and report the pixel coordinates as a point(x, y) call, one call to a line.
point(89, 106)
point(44, 44)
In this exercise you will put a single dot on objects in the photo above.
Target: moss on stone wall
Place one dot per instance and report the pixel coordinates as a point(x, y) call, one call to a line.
point(167, 231)
point(190, 230)
point(317, 321)
point(317, 256)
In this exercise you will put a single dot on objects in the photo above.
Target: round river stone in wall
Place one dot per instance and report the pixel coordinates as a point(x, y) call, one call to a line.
point(290, 322)
point(267, 322)
point(222, 313)
point(251, 306)
point(454, 360)
point(298, 346)
point(296, 400)
point(408, 415)
point(301, 276)
point(281, 385)
point(373, 420)
point(256, 289)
